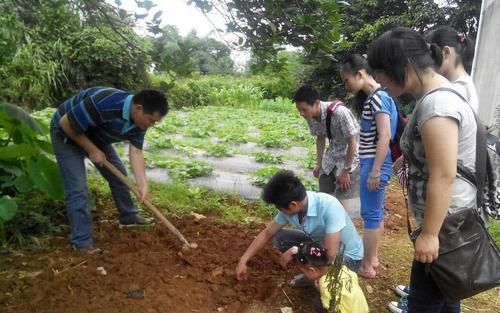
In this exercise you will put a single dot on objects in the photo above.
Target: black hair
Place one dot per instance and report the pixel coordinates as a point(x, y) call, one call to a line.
point(307, 94)
point(448, 36)
point(152, 101)
point(352, 64)
point(394, 50)
point(311, 253)
point(283, 188)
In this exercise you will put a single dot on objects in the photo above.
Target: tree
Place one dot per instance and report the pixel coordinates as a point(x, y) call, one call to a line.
point(186, 55)
point(327, 30)
point(56, 47)
point(264, 25)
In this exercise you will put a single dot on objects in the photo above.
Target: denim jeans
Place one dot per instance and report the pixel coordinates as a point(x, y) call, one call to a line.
point(70, 159)
point(287, 238)
point(425, 296)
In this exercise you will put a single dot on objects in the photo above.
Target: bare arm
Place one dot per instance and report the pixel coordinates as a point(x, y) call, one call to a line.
point(352, 144)
point(440, 140)
point(331, 244)
point(320, 150)
point(257, 244)
point(344, 179)
point(137, 163)
point(384, 137)
point(95, 154)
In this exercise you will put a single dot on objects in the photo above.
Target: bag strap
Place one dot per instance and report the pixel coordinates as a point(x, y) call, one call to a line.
point(481, 159)
point(331, 109)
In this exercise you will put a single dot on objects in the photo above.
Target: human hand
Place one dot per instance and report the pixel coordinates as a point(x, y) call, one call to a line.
point(316, 171)
point(287, 257)
point(316, 284)
point(143, 193)
point(97, 157)
point(373, 183)
point(426, 248)
point(241, 271)
point(344, 180)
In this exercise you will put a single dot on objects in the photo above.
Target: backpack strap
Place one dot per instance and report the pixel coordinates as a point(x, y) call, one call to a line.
point(481, 153)
point(331, 109)
point(464, 84)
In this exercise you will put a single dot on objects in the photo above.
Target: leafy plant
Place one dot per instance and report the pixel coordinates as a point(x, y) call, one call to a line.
point(25, 151)
point(180, 169)
point(278, 104)
point(273, 140)
point(268, 157)
point(262, 176)
point(309, 161)
point(218, 150)
point(25, 161)
point(8, 209)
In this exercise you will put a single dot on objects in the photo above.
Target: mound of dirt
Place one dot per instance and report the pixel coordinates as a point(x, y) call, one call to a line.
point(149, 264)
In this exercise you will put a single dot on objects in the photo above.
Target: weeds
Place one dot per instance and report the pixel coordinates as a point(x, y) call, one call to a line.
point(218, 150)
point(268, 157)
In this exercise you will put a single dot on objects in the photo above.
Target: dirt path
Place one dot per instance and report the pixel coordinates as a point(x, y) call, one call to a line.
point(201, 280)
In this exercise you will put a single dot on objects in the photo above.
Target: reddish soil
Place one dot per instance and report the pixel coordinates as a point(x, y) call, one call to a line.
point(199, 280)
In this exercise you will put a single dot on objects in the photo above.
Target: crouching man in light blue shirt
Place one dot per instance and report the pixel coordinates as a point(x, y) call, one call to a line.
point(313, 216)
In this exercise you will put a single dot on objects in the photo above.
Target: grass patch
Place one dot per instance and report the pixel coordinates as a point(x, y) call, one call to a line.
point(180, 198)
point(494, 229)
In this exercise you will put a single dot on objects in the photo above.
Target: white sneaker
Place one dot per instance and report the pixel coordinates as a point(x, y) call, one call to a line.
point(400, 306)
point(402, 290)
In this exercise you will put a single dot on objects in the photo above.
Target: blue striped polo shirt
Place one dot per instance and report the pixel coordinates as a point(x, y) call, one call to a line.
point(103, 114)
point(378, 102)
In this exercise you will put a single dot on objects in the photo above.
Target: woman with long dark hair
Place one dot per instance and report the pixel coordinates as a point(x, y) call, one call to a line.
point(379, 117)
point(440, 133)
point(458, 53)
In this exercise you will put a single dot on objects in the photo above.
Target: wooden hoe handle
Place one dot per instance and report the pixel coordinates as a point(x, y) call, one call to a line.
point(150, 206)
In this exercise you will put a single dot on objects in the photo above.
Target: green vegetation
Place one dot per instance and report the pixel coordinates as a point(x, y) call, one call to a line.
point(235, 91)
point(218, 150)
point(49, 50)
point(262, 176)
point(180, 169)
point(26, 162)
point(494, 229)
point(180, 198)
point(268, 157)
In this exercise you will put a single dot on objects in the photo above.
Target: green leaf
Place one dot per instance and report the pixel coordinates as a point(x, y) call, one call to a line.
point(11, 169)
point(22, 183)
point(21, 115)
point(8, 208)
point(45, 175)
point(17, 151)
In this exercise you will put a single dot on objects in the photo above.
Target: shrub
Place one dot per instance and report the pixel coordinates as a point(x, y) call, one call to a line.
point(238, 91)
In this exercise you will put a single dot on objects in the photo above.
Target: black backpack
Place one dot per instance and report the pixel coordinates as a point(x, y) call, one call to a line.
point(394, 144)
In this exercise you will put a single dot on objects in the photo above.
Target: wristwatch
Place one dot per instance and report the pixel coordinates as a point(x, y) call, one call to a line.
point(348, 168)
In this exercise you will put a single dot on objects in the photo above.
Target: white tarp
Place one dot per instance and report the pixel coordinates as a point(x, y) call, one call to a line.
point(486, 66)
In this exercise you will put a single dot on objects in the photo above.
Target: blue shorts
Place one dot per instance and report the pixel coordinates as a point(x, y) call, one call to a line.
point(372, 203)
